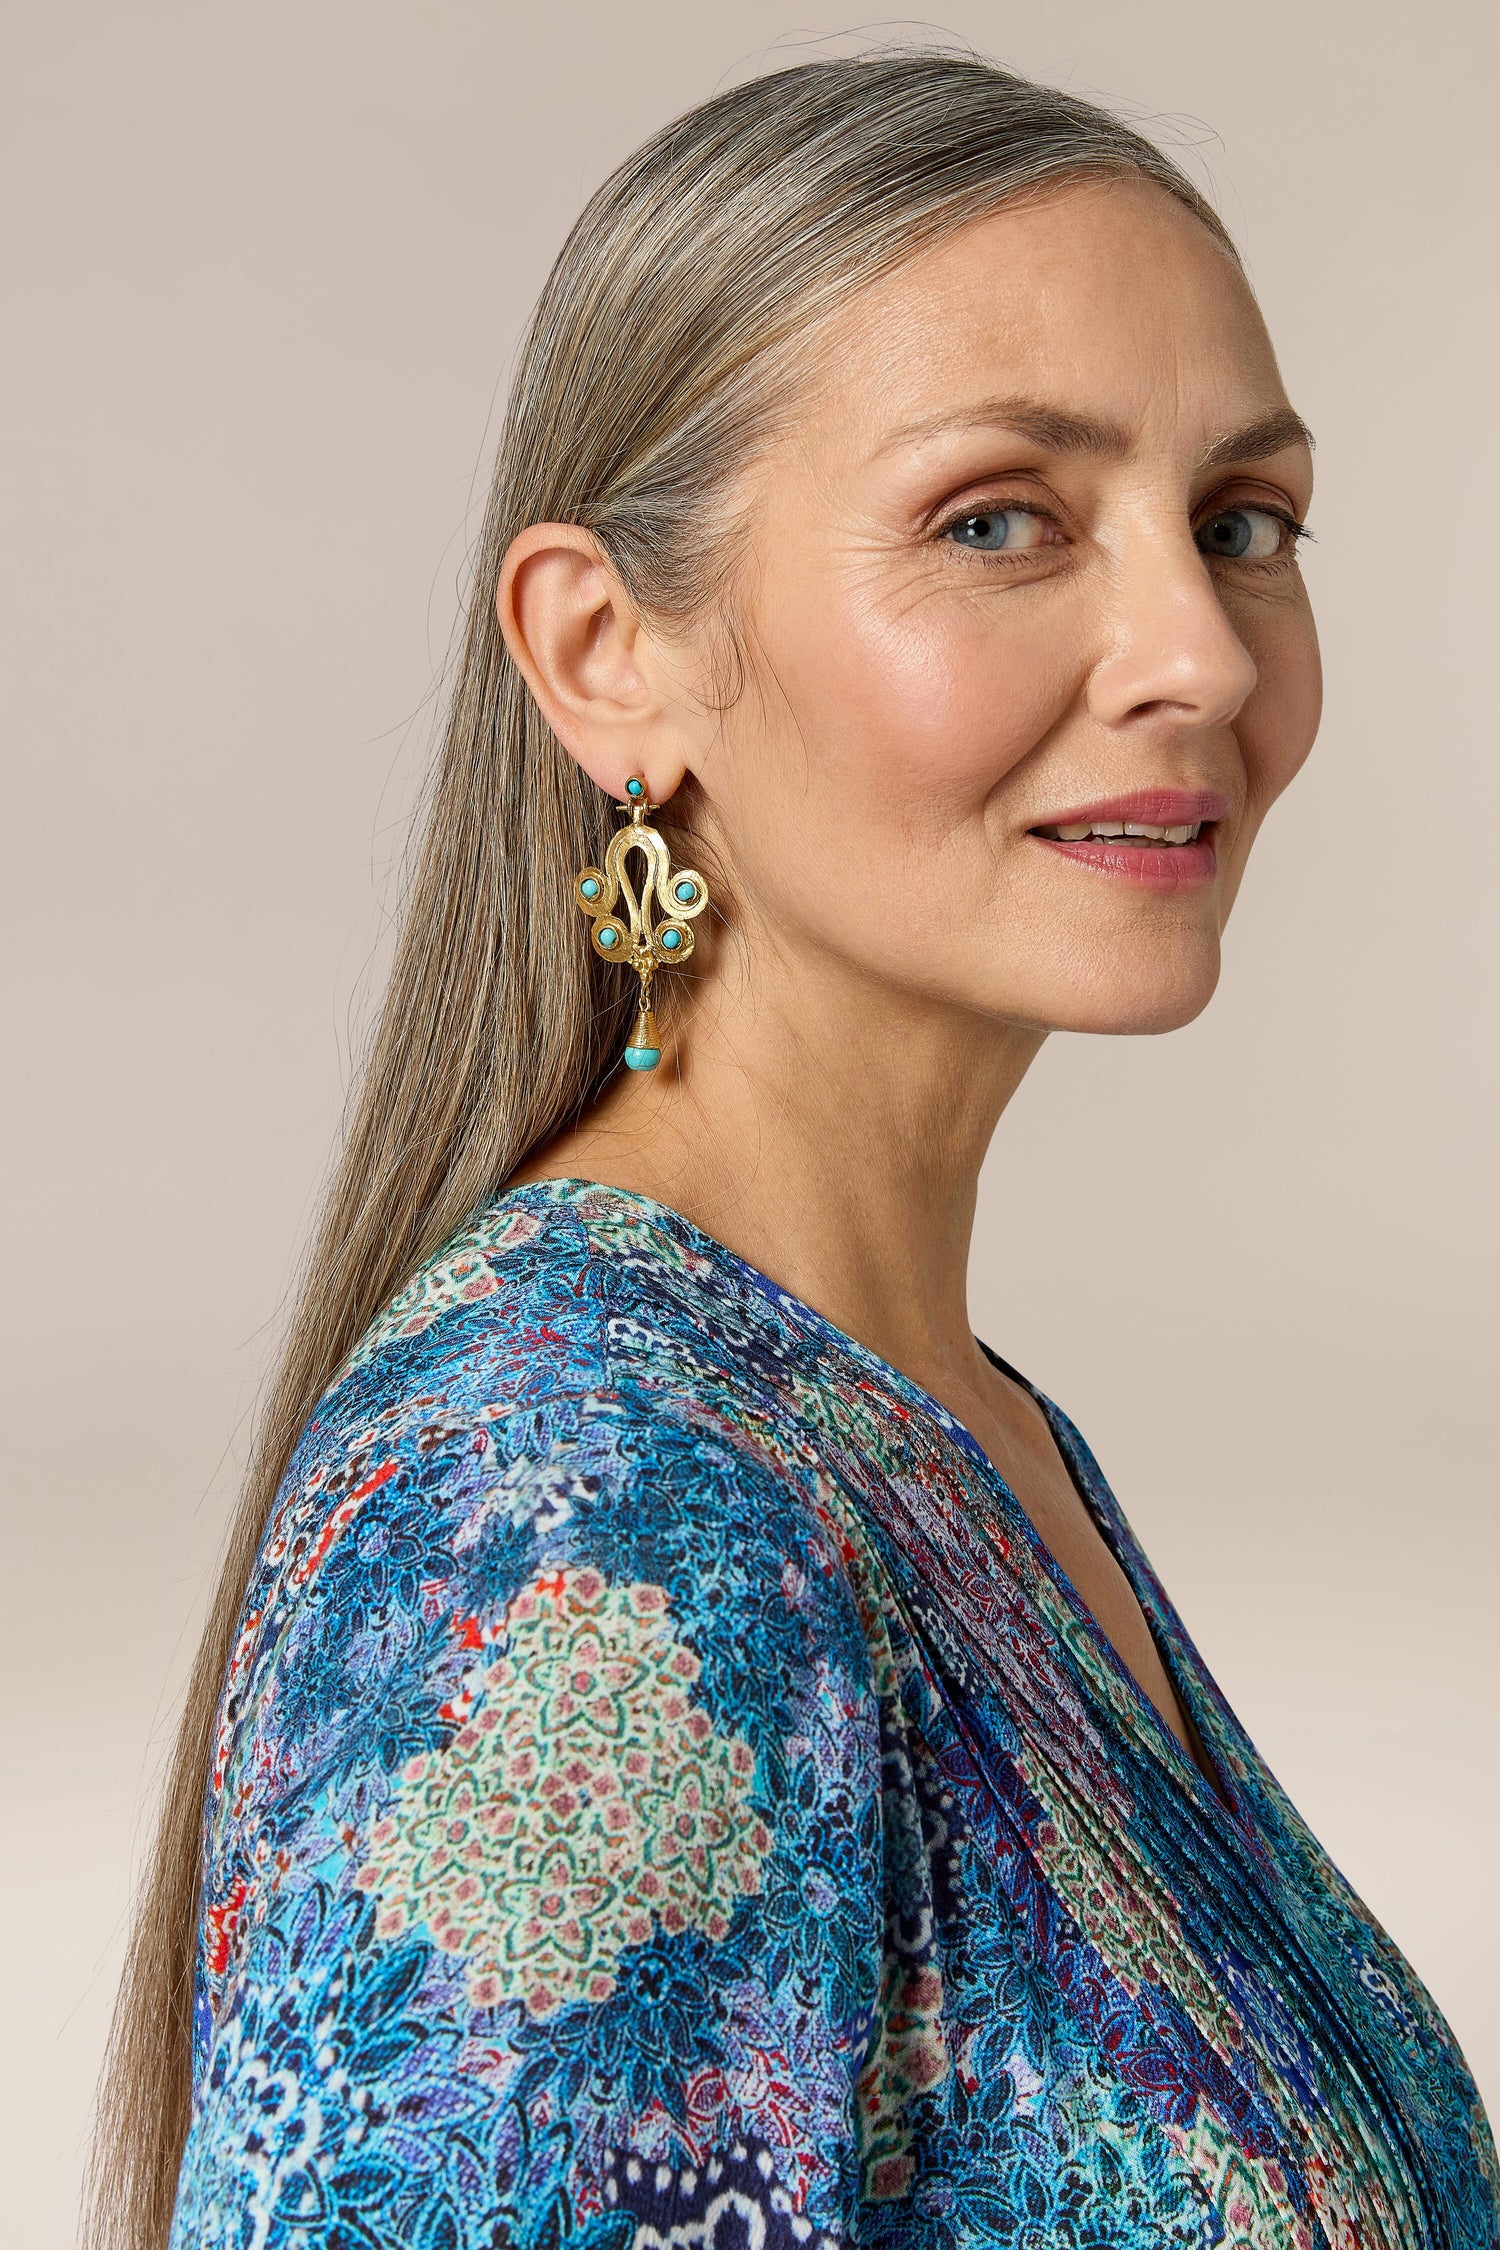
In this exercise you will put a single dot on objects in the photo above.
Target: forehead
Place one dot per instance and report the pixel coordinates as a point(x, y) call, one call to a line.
point(1105, 297)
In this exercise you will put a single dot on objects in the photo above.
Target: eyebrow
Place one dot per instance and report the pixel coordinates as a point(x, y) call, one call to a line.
point(1057, 430)
point(1272, 433)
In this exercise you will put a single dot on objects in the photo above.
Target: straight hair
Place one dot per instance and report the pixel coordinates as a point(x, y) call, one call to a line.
point(661, 357)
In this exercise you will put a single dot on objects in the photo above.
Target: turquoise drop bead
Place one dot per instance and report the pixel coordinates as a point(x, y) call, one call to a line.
point(642, 1058)
point(589, 887)
point(671, 939)
point(609, 937)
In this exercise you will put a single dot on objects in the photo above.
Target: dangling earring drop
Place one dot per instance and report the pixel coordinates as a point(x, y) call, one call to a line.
point(657, 932)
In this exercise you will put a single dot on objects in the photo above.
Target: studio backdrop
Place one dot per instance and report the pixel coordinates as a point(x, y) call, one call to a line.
point(266, 270)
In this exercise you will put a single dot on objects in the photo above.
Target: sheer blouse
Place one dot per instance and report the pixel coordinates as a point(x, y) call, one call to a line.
point(665, 1794)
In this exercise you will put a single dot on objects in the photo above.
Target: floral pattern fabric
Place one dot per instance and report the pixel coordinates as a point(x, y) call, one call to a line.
point(666, 1798)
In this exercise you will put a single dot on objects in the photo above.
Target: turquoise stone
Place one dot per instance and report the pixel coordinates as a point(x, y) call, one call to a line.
point(687, 891)
point(635, 787)
point(609, 937)
point(642, 1058)
point(671, 939)
point(589, 887)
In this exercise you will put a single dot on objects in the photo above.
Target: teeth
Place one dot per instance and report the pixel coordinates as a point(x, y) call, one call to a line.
point(1140, 831)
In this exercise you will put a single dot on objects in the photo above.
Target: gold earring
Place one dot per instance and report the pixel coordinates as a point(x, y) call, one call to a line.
point(657, 933)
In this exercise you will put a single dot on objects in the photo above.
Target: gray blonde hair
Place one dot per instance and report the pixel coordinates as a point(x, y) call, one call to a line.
point(658, 361)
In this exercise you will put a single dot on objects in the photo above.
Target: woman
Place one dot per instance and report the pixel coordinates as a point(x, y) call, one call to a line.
point(691, 1750)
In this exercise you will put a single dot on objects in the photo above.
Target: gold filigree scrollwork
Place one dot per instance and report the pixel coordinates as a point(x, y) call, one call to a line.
point(654, 931)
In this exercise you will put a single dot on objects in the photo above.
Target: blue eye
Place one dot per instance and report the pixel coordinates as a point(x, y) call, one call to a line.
point(1245, 534)
point(991, 529)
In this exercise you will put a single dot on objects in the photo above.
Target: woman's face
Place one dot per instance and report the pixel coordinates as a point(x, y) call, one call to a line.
point(1022, 576)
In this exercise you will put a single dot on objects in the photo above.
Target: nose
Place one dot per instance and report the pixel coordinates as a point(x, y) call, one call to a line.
point(1171, 652)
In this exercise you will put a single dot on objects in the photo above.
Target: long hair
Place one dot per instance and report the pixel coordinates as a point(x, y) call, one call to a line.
point(661, 354)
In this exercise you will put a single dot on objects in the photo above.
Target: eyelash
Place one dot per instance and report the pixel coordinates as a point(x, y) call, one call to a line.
point(1282, 516)
point(994, 507)
point(1296, 532)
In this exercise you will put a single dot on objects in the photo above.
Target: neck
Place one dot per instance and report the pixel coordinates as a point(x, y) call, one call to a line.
point(828, 1130)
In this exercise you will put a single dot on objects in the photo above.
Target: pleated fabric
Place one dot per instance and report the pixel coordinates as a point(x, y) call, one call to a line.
point(667, 1798)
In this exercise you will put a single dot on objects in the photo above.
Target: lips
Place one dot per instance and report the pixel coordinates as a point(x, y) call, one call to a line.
point(1157, 808)
point(1159, 839)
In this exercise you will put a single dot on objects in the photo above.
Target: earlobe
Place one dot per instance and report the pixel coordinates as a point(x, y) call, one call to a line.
point(587, 658)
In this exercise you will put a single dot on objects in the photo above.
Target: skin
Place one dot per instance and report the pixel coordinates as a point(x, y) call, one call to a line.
point(898, 943)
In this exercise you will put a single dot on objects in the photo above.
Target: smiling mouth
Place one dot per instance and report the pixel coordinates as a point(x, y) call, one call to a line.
point(1160, 840)
point(1137, 832)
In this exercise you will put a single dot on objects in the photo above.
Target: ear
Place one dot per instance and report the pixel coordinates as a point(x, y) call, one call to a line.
point(600, 679)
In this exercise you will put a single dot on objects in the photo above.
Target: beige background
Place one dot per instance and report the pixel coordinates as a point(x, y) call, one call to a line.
point(268, 265)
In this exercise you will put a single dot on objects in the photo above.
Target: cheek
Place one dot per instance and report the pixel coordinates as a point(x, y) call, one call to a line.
point(1279, 723)
point(924, 703)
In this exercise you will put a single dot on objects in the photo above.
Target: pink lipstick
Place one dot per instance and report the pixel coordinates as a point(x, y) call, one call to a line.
point(1160, 839)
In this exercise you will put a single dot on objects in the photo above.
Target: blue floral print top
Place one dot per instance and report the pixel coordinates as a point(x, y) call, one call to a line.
point(667, 1798)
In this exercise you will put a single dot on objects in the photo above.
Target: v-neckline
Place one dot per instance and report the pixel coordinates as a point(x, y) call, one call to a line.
point(1174, 1651)
point(1221, 1798)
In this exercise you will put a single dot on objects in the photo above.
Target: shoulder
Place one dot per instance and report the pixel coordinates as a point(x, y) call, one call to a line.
point(517, 1287)
point(565, 1329)
point(556, 1308)
point(545, 1406)
point(526, 1490)
point(555, 1289)
point(553, 1696)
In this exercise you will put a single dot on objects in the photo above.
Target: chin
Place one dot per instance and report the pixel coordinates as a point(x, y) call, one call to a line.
point(1153, 1000)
